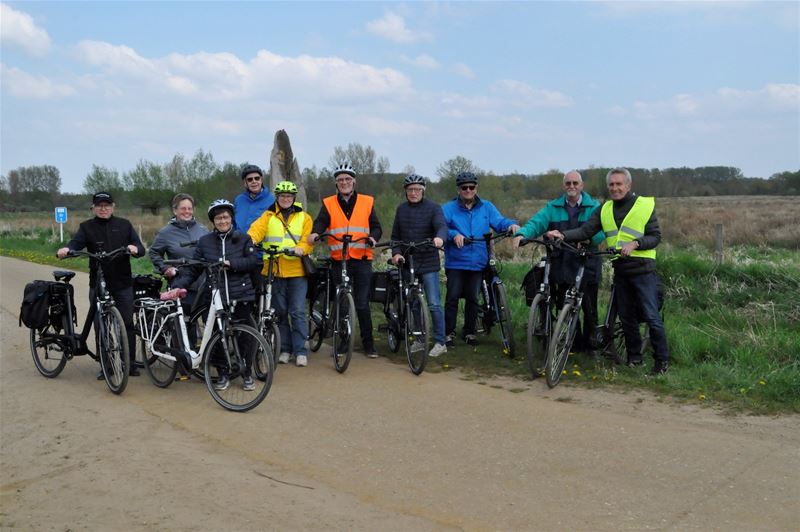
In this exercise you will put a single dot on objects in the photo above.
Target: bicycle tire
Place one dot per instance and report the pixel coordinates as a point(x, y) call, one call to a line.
point(538, 335)
point(560, 344)
point(273, 337)
point(316, 320)
point(393, 334)
point(415, 332)
point(48, 355)
point(161, 370)
point(114, 350)
point(197, 321)
point(343, 329)
point(504, 320)
point(242, 339)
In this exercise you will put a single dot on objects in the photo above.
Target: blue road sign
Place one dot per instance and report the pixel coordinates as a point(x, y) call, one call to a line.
point(61, 215)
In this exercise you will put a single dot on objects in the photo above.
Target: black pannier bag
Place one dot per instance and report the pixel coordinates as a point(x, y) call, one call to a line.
point(317, 281)
point(379, 287)
point(532, 281)
point(35, 309)
point(146, 286)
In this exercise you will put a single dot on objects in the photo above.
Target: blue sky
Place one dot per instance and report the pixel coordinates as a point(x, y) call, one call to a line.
point(513, 86)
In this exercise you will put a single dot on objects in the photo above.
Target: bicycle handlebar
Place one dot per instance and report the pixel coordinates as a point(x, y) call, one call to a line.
point(101, 256)
point(273, 251)
point(341, 238)
point(428, 242)
point(488, 236)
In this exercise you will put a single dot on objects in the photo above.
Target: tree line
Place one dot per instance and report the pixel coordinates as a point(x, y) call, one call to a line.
point(150, 186)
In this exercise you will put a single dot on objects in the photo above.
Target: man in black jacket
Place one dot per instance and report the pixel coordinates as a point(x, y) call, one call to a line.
point(419, 219)
point(630, 224)
point(105, 232)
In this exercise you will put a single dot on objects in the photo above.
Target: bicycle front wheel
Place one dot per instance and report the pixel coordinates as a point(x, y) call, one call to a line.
point(195, 327)
point(538, 334)
point(560, 344)
point(228, 365)
point(504, 320)
point(316, 320)
point(343, 331)
point(393, 333)
point(416, 332)
point(48, 353)
point(114, 350)
point(272, 335)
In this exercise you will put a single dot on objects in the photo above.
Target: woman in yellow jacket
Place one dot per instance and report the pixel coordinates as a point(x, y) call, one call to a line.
point(286, 225)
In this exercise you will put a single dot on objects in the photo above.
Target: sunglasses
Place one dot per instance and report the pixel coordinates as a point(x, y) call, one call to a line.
point(252, 179)
point(571, 183)
point(467, 187)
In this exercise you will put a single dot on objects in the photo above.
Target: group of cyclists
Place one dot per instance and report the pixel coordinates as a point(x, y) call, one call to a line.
point(259, 217)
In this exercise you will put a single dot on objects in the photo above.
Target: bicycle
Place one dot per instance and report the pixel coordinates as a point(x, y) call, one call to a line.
point(566, 326)
point(228, 350)
point(56, 343)
point(405, 308)
point(493, 308)
point(322, 321)
point(541, 315)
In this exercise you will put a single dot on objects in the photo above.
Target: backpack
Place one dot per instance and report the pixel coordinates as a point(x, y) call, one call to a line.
point(35, 309)
point(530, 284)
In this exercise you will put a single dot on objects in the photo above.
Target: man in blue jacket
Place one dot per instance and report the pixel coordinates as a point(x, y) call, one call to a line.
point(254, 200)
point(467, 216)
point(569, 211)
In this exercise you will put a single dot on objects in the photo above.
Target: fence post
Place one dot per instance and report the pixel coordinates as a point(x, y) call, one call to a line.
point(718, 244)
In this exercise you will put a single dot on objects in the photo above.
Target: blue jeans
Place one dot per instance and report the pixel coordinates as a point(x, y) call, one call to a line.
point(637, 297)
point(462, 283)
point(289, 301)
point(430, 283)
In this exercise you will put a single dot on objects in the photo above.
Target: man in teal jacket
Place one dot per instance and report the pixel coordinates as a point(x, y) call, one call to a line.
point(568, 212)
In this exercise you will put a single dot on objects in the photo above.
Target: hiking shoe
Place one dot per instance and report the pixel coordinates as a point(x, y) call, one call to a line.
point(302, 361)
point(471, 339)
point(222, 383)
point(451, 340)
point(634, 360)
point(660, 368)
point(100, 375)
point(248, 384)
point(437, 349)
point(134, 371)
point(284, 358)
point(370, 352)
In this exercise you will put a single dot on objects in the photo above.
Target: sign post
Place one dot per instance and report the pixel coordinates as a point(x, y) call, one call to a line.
point(61, 219)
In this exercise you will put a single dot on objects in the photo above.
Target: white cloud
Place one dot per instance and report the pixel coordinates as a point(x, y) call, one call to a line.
point(422, 61)
point(381, 126)
point(27, 86)
point(463, 70)
point(781, 95)
point(392, 27)
point(18, 28)
point(521, 94)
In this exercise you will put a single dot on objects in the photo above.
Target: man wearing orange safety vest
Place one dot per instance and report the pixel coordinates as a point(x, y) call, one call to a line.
point(349, 212)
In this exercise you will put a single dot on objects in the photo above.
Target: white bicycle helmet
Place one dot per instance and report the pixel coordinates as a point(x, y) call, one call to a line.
point(344, 168)
point(219, 204)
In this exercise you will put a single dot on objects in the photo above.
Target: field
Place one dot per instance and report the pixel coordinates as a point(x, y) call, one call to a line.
point(731, 327)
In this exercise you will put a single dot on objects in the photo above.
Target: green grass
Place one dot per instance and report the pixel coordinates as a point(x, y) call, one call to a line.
point(732, 329)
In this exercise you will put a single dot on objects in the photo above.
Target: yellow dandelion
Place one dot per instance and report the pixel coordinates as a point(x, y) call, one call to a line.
point(702, 397)
point(762, 382)
point(576, 373)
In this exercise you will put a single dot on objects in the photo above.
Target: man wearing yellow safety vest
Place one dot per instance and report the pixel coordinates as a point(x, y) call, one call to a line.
point(630, 224)
point(353, 213)
point(284, 225)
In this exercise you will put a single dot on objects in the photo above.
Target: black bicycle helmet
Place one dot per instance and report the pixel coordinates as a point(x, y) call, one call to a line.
point(414, 179)
point(250, 169)
point(218, 205)
point(344, 168)
point(466, 177)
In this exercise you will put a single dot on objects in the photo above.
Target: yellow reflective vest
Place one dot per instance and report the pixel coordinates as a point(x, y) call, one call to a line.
point(632, 226)
point(270, 230)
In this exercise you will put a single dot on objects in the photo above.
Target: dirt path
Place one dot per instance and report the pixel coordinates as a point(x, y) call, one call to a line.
point(375, 448)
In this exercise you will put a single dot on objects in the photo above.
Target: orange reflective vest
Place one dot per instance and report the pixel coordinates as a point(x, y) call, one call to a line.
point(357, 225)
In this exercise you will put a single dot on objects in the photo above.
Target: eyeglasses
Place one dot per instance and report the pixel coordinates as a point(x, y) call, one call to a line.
point(253, 178)
point(222, 217)
point(467, 187)
point(415, 190)
point(571, 183)
point(344, 180)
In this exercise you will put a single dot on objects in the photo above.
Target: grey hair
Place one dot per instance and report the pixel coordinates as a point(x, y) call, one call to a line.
point(580, 177)
point(178, 198)
point(623, 171)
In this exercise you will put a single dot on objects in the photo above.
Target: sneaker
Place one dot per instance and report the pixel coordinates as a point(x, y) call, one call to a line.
point(100, 375)
point(248, 384)
point(284, 358)
point(451, 340)
point(634, 360)
point(302, 361)
point(134, 371)
point(438, 349)
point(222, 383)
point(370, 352)
point(660, 368)
point(417, 346)
point(471, 339)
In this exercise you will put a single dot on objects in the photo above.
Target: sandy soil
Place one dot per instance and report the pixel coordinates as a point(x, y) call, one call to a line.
point(375, 448)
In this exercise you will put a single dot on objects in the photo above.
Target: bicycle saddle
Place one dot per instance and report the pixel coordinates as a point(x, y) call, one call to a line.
point(63, 275)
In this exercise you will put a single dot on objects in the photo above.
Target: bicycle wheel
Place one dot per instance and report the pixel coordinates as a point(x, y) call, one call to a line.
point(504, 320)
point(538, 335)
point(246, 349)
point(416, 332)
point(393, 334)
point(161, 370)
point(48, 353)
point(560, 344)
point(195, 327)
point(114, 350)
point(343, 331)
point(316, 320)
point(272, 335)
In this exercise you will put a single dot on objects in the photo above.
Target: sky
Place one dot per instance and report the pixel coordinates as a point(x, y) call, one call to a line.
point(513, 86)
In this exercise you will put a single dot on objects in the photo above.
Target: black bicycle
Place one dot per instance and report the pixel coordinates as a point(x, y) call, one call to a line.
point(494, 309)
point(405, 308)
point(266, 319)
point(332, 311)
point(55, 343)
